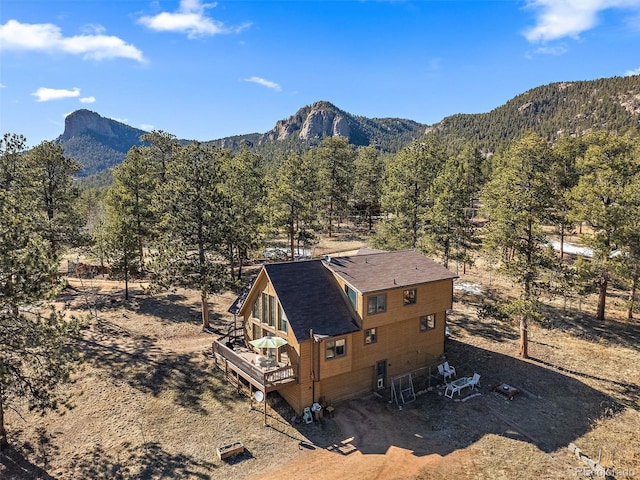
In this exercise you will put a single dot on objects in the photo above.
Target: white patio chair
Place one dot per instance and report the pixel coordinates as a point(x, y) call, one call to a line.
point(474, 381)
point(449, 369)
point(444, 372)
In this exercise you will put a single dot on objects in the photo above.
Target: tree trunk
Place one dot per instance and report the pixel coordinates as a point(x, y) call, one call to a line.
point(3, 431)
point(205, 310)
point(632, 298)
point(602, 297)
point(524, 340)
point(561, 241)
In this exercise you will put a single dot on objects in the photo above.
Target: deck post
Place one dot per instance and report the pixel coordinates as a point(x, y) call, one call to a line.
point(265, 408)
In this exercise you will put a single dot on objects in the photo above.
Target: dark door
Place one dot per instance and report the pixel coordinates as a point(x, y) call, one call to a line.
point(381, 374)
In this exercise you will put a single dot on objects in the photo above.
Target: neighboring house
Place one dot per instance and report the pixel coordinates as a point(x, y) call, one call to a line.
point(351, 324)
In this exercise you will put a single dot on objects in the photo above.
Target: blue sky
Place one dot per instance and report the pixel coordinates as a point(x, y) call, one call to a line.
point(210, 70)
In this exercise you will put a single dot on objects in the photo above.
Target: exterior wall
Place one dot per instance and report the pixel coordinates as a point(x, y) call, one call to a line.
point(400, 343)
point(430, 298)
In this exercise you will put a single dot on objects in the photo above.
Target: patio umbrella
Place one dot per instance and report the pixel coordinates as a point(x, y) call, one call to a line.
point(268, 342)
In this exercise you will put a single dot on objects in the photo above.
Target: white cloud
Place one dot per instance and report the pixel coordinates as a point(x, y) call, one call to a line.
point(2, 85)
point(44, 94)
point(629, 73)
point(190, 19)
point(88, 100)
point(146, 127)
point(569, 18)
point(264, 83)
point(47, 37)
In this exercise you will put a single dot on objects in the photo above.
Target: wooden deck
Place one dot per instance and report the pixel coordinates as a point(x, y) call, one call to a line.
point(263, 374)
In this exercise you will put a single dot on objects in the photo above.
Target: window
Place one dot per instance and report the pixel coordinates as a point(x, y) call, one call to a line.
point(255, 311)
point(256, 331)
point(427, 322)
point(282, 319)
point(376, 304)
point(336, 348)
point(265, 308)
point(370, 335)
point(352, 294)
point(409, 296)
point(272, 311)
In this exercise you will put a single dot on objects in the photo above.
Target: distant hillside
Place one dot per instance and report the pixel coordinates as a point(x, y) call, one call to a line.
point(96, 142)
point(312, 123)
point(565, 108)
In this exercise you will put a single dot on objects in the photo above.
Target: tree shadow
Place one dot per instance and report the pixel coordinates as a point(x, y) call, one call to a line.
point(15, 465)
point(552, 410)
point(148, 461)
point(489, 328)
point(588, 327)
point(138, 361)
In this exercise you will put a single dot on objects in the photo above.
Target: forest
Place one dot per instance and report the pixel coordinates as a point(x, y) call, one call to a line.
point(195, 215)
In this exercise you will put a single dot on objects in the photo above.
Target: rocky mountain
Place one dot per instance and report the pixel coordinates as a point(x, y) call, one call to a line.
point(96, 142)
point(312, 123)
point(566, 108)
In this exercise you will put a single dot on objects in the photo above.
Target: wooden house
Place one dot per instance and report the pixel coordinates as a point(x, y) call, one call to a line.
point(351, 323)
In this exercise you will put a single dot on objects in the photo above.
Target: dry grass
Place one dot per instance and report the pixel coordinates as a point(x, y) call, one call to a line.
point(151, 404)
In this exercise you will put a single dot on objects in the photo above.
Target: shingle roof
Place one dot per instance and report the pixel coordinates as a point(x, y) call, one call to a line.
point(382, 271)
point(311, 298)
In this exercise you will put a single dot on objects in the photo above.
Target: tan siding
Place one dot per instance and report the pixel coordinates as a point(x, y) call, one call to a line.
point(431, 298)
point(336, 366)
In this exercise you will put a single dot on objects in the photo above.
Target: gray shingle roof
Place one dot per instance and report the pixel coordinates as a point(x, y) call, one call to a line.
point(312, 299)
point(382, 271)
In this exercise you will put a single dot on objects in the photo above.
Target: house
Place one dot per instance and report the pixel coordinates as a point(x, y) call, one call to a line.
point(351, 323)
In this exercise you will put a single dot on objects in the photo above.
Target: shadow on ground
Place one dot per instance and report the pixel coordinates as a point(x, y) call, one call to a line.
point(138, 361)
point(148, 461)
point(552, 410)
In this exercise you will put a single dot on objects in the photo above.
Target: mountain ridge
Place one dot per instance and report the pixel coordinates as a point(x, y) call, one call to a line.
point(560, 108)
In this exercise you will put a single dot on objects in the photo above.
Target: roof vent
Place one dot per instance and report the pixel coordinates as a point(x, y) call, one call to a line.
point(327, 258)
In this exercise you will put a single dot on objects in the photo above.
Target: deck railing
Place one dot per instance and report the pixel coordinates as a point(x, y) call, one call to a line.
point(267, 380)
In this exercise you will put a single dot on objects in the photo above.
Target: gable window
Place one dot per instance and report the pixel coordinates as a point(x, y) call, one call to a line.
point(282, 319)
point(370, 335)
point(352, 294)
point(255, 311)
point(272, 311)
point(376, 304)
point(427, 322)
point(409, 296)
point(336, 348)
point(265, 308)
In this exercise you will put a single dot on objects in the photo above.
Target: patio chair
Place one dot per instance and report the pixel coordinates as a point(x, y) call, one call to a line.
point(444, 373)
point(474, 381)
point(449, 369)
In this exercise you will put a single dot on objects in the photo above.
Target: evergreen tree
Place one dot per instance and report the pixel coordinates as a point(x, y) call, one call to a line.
point(192, 224)
point(130, 198)
point(606, 198)
point(516, 201)
point(409, 176)
point(36, 353)
point(244, 194)
point(56, 194)
point(335, 158)
point(292, 199)
point(367, 187)
point(449, 231)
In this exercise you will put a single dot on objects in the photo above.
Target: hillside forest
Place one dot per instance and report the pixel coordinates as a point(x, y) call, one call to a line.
point(195, 215)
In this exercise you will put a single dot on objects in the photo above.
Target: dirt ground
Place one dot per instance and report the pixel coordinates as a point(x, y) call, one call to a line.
point(151, 404)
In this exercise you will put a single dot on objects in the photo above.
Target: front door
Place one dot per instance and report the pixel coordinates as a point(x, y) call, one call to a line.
point(381, 374)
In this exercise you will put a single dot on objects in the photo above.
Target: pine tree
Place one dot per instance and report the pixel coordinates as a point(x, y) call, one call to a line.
point(191, 206)
point(367, 188)
point(36, 353)
point(516, 201)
